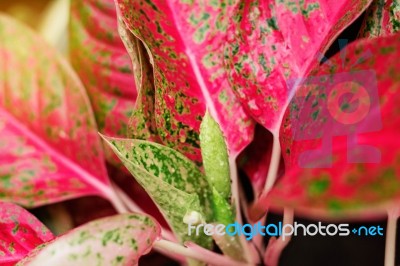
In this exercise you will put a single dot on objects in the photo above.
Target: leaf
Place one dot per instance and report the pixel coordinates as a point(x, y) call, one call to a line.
point(216, 166)
point(174, 183)
point(115, 240)
point(20, 232)
point(186, 41)
point(341, 135)
point(215, 156)
point(382, 19)
point(142, 123)
point(100, 59)
point(269, 42)
point(255, 159)
point(49, 147)
point(224, 213)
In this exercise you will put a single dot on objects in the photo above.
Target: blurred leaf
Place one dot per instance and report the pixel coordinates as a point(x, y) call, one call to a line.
point(115, 240)
point(54, 24)
point(102, 62)
point(20, 232)
point(49, 147)
point(382, 19)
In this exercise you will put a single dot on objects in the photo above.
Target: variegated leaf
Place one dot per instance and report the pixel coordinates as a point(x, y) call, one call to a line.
point(115, 240)
point(186, 41)
point(340, 135)
point(102, 62)
point(382, 19)
point(269, 42)
point(174, 183)
point(20, 232)
point(142, 123)
point(49, 147)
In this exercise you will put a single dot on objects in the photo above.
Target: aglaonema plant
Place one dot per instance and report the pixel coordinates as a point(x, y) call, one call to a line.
point(176, 89)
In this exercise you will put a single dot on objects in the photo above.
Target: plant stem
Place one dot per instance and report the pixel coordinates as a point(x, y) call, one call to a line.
point(258, 239)
point(235, 197)
point(255, 246)
point(273, 165)
point(116, 201)
point(259, 208)
point(275, 248)
point(390, 246)
point(196, 252)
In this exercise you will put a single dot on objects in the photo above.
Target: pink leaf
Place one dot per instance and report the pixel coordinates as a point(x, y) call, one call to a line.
point(186, 44)
point(100, 59)
point(49, 147)
point(340, 135)
point(115, 240)
point(270, 42)
point(254, 160)
point(20, 232)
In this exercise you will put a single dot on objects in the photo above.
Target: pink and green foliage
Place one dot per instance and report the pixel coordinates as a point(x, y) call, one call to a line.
point(174, 182)
point(382, 19)
point(345, 188)
point(186, 41)
point(151, 76)
point(101, 61)
point(50, 149)
point(128, 236)
point(20, 232)
point(269, 42)
point(142, 123)
point(103, 64)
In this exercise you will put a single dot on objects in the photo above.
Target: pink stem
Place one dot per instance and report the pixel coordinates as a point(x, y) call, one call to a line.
point(276, 246)
point(390, 247)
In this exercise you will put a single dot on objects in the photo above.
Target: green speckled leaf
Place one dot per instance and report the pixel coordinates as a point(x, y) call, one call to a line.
point(382, 19)
point(186, 40)
point(142, 123)
point(101, 61)
point(271, 41)
point(215, 156)
point(111, 241)
point(174, 182)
